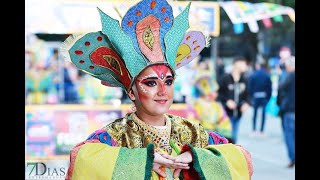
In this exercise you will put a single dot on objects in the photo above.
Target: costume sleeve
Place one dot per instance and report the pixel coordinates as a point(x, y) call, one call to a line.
point(99, 158)
point(223, 161)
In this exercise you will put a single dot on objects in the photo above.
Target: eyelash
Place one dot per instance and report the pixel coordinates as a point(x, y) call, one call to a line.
point(169, 82)
point(150, 83)
point(154, 83)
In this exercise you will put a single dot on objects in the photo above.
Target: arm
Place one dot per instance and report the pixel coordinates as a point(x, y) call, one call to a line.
point(245, 98)
point(223, 91)
point(251, 85)
point(269, 88)
point(99, 158)
point(285, 84)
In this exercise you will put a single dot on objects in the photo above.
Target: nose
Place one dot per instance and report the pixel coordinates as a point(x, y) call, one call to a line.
point(162, 90)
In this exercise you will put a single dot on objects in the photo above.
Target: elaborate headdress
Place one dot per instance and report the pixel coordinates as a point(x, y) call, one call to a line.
point(149, 34)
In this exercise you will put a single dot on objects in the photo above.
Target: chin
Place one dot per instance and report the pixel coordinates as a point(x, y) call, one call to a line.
point(160, 111)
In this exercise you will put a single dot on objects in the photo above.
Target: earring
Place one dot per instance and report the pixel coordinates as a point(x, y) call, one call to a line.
point(133, 108)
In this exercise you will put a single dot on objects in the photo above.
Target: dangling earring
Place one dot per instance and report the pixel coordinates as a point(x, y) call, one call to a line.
point(133, 108)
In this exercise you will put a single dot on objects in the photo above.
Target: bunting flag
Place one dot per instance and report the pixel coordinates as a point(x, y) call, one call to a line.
point(270, 10)
point(253, 26)
point(278, 18)
point(238, 28)
point(267, 22)
point(245, 12)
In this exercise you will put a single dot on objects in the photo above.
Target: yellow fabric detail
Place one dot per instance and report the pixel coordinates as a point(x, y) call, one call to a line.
point(182, 52)
point(95, 161)
point(236, 161)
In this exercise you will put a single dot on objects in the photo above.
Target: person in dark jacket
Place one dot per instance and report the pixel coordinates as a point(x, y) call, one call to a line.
point(260, 89)
point(287, 107)
point(233, 93)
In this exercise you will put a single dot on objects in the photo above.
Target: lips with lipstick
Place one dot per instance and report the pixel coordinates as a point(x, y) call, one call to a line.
point(161, 101)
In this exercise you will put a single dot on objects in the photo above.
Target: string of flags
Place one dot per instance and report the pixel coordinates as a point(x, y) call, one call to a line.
point(241, 12)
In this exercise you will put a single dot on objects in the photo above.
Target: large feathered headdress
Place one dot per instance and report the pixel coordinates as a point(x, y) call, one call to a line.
point(149, 34)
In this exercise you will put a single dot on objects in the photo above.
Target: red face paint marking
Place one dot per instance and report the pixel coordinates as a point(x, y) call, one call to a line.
point(142, 95)
point(161, 71)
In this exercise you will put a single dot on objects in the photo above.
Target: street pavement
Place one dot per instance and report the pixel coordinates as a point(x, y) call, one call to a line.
point(269, 154)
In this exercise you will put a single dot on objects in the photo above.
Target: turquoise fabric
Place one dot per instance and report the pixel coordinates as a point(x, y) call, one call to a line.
point(98, 72)
point(123, 43)
point(145, 11)
point(175, 35)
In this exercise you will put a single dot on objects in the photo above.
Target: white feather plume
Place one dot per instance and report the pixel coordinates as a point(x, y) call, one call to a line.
point(67, 44)
point(208, 39)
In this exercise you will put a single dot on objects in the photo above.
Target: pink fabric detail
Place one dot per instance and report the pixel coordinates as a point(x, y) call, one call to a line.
point(113, 142)
point(217, 138)
point(155, 54)
point(73, 155)
point(99, 131)
point(247, 155)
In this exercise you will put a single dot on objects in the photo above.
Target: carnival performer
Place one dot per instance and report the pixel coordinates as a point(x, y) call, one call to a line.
point(141, 56)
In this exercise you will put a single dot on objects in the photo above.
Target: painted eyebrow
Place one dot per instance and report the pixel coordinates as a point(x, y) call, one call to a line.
point(149, 78)
point(155, 78)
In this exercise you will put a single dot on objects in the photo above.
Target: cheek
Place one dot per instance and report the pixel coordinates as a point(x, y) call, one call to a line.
point(143, 95)
point(145, 92)
point(170, 90)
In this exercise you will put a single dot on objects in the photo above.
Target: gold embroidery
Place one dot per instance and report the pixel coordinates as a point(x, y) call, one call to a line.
point(148, 38)
point(131, 132)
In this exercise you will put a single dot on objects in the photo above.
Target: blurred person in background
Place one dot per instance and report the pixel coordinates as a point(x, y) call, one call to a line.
point(219, 68)
point(284, 54)
point(260, 90)
point(287, 106)
point(233, 93)
point(38, 82)
point(209, 112)
point(148, 143)
point(70, 79)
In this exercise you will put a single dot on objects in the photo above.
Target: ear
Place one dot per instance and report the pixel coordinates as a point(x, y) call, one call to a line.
point(131, 94)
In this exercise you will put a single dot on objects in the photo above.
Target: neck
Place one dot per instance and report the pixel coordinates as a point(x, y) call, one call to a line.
point(158, 120)
point(236, 75)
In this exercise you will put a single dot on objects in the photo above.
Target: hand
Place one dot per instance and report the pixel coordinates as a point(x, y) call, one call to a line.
point(158, 169)
point(170, 161)
point(164, 160)
point(244, 107)
point(231, 104)
point(184, 158)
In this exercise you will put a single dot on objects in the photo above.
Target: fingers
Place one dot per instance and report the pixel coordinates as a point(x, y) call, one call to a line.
point(157, 168)
point(162, 160)
point(180, 165)
point(185, 158)
point(176, 173)
point(160, 172)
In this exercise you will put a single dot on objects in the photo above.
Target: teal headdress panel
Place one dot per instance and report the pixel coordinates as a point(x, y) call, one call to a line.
point(149, 34)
